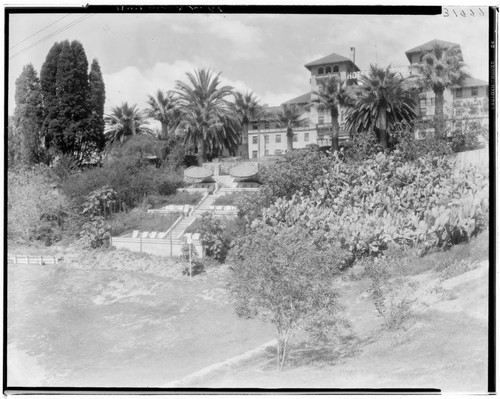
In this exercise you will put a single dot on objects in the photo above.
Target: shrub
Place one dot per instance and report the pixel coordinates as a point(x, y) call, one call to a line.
point(386, 200)
point(36, 209)
point(466, 138)
point(281, 277)
point(230, 199)
point(179, 198)
point(360, 147)
point(95, 232)
point(212, 236)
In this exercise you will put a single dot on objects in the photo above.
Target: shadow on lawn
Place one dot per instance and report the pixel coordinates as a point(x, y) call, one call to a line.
point(304, 354)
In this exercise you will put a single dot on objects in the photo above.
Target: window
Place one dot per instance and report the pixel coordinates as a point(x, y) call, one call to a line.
point(254, 139)
point(255, 125)
point(458, 93)
point(433, 102)
point(278, 138)
point(423, 102)
point(328, 70)
point(320, 71)
point(266, 153)
point(254, 154)
point(266, 139)
point(335, 68)
point(474, 91)
point(321, 119)
point(277, 152)
point(295, 137)
point(306, 136)
point(266, 125)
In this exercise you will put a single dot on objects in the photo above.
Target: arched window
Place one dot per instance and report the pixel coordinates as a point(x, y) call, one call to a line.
point(335, 68)
point(328, 70)
point(320, 71)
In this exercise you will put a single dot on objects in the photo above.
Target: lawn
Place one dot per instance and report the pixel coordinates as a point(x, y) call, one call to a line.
point(117, 318)
point(125, 223)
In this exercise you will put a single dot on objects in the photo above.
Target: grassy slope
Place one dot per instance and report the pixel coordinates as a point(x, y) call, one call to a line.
point(444, 345)
point(118, 319)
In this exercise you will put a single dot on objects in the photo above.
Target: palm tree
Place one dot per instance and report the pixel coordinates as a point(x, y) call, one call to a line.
point(291, 118)
point(440, 69)
point(330, 97)
point(124, 121)
point(164, 107)
point(248, 108)
point(208, 118)
point(382, 100)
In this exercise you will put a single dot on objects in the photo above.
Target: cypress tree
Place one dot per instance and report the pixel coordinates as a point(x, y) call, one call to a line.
point(50, 127)
point(70, 124)
point(27, 123)
point(96, 99)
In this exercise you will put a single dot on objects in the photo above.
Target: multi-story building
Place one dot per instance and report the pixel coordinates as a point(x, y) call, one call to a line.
point(467, 101)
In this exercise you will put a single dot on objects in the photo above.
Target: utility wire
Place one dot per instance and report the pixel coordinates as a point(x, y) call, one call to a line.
point(38, 31)
point(71, 24)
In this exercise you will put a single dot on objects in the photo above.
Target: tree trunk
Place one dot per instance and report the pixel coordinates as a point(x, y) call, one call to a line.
point(289, 139)
point(335, 132)
point(202, 151)
point(164, 131)
point(244, 142)
point(382, 126)
point(439, 114)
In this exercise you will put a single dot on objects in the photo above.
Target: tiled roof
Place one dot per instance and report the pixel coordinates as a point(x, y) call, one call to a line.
point(471, 82)
point(429, 46)
point(304, 98)
point(329, 59)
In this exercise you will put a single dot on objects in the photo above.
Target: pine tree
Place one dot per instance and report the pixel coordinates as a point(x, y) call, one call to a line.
point(73, 102)
point(27, 122)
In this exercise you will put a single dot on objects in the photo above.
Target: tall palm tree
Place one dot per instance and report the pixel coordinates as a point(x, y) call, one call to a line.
point(208, 118)
point(248, 108)
point(441, 68)
point(164, 107)
point(331, 96)
point(291, 118)
point(382, 100)
point(124, 121)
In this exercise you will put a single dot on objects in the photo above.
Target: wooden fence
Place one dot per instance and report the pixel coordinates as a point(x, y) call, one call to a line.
point(33, 260)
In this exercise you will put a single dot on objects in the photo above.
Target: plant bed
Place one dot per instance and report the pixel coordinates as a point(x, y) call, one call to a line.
point(125, 223)
point(228, 199)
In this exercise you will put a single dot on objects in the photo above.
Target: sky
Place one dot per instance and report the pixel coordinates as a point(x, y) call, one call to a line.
point(264, 53)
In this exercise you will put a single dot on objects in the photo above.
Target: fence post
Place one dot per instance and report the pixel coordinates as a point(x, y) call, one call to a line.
point(15, 259)
point(140, 241)
point(41, 263)
point(28, 259)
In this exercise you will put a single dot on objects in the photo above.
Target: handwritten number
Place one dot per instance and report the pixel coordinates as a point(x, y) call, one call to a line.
point(446, 12)
point(471, 12)
point(481, 11)
point(462, 13)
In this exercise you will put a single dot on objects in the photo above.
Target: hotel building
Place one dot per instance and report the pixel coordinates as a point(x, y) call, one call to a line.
point(267, 138)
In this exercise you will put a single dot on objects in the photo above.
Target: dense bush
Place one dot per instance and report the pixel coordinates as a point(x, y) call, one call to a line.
point(388, 200)
point(212, 236)
point(466, 138)
point(131, 180)
point(36, 209)
point(360, 146)
point(179, 198)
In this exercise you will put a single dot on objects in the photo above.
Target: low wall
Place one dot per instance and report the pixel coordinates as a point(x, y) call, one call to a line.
point(223, 168)
point(479, 157)
point(154, 246)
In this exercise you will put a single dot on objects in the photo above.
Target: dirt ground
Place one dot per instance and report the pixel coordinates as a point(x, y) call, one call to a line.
point(119, 319)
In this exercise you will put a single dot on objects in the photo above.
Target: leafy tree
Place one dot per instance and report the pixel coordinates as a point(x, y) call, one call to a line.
point(382, 101)
point(281, 277)
point(291, 118)
point(331, 96)
point(248, 108)
point(125, 121)
point(208, 117)
point(27, 121)
point(440, 69)
point(72, 102)
point(164, 108)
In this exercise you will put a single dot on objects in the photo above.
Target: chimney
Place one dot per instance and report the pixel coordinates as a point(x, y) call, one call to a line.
point(353, 55)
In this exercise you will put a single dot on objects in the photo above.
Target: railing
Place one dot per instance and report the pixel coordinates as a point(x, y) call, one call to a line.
point(33, 260)
point(280, 130)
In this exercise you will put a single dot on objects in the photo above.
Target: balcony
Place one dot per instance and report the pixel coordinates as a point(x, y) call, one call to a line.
point(279, 130)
